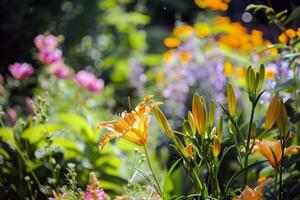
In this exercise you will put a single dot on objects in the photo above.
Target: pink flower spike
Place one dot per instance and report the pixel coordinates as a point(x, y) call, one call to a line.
point(21, 70)
point(89, 81)
point(93, 190)
point(60, 70)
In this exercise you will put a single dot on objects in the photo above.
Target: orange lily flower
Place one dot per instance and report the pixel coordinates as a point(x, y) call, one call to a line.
point(273, 151)
point(253, 194)
point(132, 126)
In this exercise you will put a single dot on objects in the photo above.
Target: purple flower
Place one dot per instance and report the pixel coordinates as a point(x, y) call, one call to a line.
point(60, 70)
point(48, 42)
point(93, 190)
point(20, 70)
point(89, 81)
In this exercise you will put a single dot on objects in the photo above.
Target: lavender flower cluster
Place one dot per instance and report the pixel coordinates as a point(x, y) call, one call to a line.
point(202, 73)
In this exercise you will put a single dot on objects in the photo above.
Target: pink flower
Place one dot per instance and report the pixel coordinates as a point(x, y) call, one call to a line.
point(47, 56)
point(48, 42)
point(60, 70)
point(20, 70)
point(89, 81)
point(93, 190)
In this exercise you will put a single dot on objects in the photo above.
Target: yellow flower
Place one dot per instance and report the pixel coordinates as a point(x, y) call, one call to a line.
point(183, 31)
point(213, 4)
point(202, 30)
point(228, 68)
point(290, 33)
point(185, 57)
point(240, 72)
point(253, 194)
point(270, 73)
point(220, 20)
point(132, 126)
point(261, 179)
point(172, 42)
point(159, 77)
point(272, 151)
point(282, 38)
point(168, 56)
point(298, 32)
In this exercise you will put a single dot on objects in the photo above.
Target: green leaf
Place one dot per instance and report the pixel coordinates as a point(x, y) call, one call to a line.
point(148, 179)
point(238, 57)
point(168, 175)
point(256, 8)
point(287, 86)
point(79, 125)
point(292, 16)
point(7, 135)
point(36, 133)
point(71, 149)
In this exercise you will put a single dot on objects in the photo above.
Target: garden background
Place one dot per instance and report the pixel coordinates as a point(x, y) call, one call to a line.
point(87, 61)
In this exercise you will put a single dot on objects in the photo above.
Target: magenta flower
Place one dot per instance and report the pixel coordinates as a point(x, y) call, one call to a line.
point(48, 42)
point(47, 56)
point(89, 81)
point(93, 190)
point(20, 70)
point(60, 70)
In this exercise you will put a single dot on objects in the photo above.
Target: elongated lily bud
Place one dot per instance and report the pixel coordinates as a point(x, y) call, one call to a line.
point(199, 113)
point(217, 146)
point(261, 77)
point(220, 129)
point(192, 122)
point(282, 118)
point(231, 100)
point(248, 78)
point(162, 121)
point(252, 80)
point(212, 110)
point(272, 112)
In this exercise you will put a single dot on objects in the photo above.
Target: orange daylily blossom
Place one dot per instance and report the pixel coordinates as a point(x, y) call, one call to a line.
point(272, 150)
point(253, 194)
point(132, 126)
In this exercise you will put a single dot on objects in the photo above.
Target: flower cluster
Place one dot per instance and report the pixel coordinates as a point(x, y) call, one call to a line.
point(289, 35)
point(21, 71)
point(213, 4)
point(51, 55)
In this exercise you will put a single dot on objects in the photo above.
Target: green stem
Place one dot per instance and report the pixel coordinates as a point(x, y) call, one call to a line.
point(275, 186)
point(248, 145)
point(152, 171)
point(281, 168)
point(197, 180)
